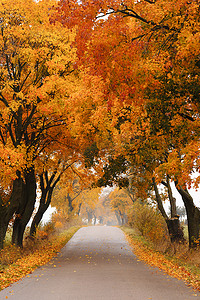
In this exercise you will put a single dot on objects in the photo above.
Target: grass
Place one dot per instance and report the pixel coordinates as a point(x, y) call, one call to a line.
point(178, 261)
point(16, 263)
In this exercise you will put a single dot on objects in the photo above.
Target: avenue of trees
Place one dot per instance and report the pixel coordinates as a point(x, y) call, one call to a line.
point(104, 91)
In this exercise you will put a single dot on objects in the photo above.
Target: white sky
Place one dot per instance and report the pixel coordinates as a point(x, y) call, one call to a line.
point(195, 195)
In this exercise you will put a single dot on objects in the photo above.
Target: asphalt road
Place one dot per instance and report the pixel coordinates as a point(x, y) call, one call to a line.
point(97, 263)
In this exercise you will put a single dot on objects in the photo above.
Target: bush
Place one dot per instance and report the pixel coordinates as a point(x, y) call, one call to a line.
point(62, 220)
point(149, 223)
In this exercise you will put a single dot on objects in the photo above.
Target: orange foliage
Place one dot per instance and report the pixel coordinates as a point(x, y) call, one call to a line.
point(148, 222)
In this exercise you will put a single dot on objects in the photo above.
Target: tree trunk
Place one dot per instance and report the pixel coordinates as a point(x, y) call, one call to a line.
point(173, 224)
point(119, 220)
point(172, 200)
point(45, 200)
point(70, 203)
point(37, 218)
point(159, 200)
point(41, 210)
point(123, 218)
point(25, 212)
point(101, 220)
point(7, 210)
point(175, 230)
point(3, 223)
point(79, 208)
point(90, 216)
point(193, 216)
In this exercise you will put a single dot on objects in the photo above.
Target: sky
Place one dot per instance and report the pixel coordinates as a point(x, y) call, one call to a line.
point(195, 195)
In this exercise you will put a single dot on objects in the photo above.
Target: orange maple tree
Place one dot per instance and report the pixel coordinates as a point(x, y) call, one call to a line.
point(149, 62)
point(119, 78)
point(37, 77)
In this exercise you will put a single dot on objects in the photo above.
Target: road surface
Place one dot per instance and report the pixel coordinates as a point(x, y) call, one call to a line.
point(98, 264)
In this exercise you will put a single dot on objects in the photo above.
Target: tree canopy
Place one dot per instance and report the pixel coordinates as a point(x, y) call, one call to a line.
point(110, 85)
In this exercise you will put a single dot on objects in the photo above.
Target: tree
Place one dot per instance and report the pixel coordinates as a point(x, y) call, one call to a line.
point(71, 193)
point(161, 83)
point(179, 53)
point(173, 224)
point(90, 204)
point(36, 60)
point(48, 180)
point(120, 203)
point(7, 209)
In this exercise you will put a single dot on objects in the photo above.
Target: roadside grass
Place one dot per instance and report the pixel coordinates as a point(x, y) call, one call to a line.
point(176, 261)
point(16, 263)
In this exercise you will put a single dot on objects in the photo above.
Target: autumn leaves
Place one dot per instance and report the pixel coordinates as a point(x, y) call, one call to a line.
point(37, 77)
point(147, 54)
point(127, 83)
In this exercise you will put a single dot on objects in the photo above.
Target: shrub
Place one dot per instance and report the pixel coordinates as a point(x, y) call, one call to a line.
point(148, 222)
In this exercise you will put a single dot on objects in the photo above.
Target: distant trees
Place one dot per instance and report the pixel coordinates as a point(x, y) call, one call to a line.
point(181, 212)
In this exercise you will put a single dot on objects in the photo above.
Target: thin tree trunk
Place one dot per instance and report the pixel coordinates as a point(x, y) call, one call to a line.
point(173, 224)
point(69, 199)
point(39, 215)
point(119, 220)
point(100, 220)
point(90, 216)
point(3, 223)
point(159, 200)
point(45, 199)
point(79, 208)
point(172, 200)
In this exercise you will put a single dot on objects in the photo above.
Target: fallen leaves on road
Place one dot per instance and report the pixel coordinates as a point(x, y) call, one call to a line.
point(27, 264)
point(157, 259)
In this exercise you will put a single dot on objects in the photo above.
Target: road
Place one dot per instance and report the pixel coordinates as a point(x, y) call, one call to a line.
point(98, 264)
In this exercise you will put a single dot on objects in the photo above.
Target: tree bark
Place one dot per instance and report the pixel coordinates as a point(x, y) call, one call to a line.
point(193, 215)
point(70, 200)
point(3, 223)
point(45, 200)
point(90, 215)
point(7, 210)
point(175, 230)
point(40, 212)
point(119, 220)
point(159, 200)
point(79, 208)
point(25, 211)
point(172, 200)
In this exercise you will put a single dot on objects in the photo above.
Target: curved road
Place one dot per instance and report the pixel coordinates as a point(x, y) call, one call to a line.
point(97, 263)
